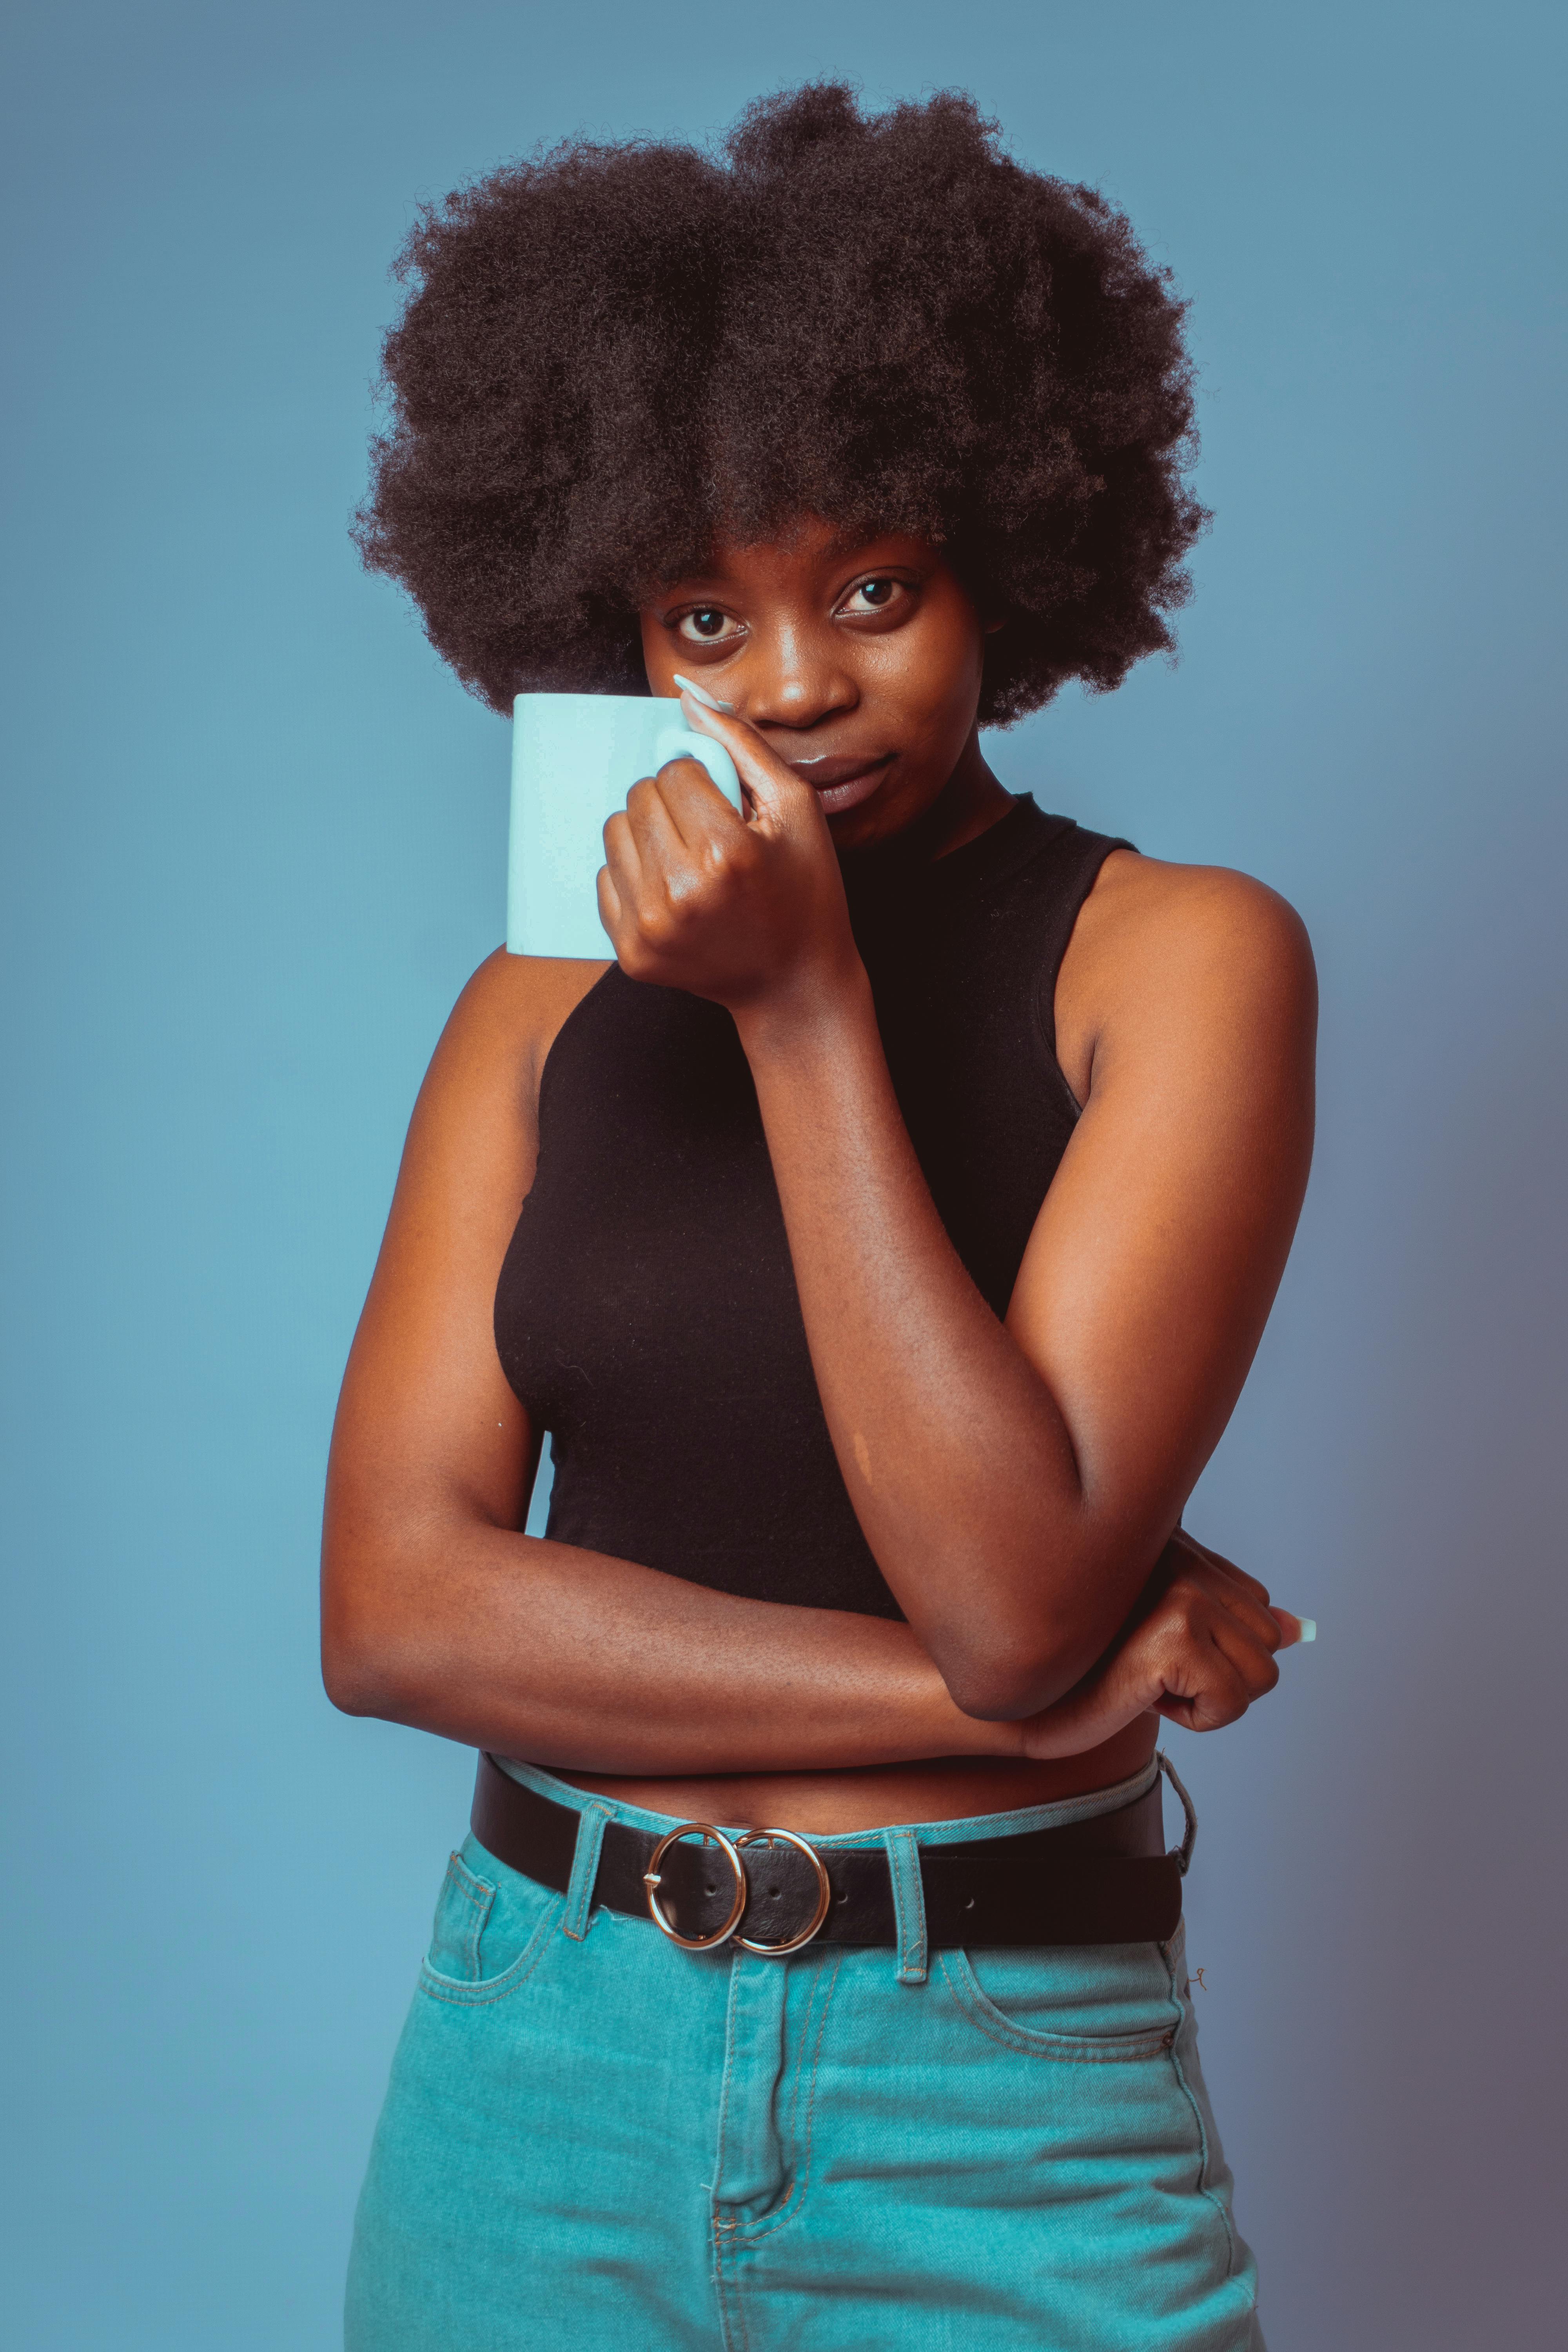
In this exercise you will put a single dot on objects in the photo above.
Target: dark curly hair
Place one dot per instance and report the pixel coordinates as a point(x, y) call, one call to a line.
point(612, 355)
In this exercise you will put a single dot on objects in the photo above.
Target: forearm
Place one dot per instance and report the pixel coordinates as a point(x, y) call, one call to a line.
point(958, 1461)
point(590, 1664)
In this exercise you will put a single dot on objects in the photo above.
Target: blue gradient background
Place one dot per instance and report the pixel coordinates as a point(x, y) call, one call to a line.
point(254, 844)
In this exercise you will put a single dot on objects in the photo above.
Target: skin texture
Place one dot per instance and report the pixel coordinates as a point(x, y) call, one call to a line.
point(1019, 1484)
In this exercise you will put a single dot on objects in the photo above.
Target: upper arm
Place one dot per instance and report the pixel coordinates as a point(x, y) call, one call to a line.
point(1187, 1013)
point(426, 1421)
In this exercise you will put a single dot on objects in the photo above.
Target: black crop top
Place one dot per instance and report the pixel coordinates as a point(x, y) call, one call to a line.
point(646, 1312)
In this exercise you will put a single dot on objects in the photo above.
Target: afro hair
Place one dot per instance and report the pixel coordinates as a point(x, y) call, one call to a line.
point(613, 355)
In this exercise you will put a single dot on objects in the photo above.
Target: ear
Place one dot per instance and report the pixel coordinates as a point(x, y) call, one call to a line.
point(989, 628)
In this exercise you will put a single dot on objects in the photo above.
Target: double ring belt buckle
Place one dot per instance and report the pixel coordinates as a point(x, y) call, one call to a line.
point(731, 1849)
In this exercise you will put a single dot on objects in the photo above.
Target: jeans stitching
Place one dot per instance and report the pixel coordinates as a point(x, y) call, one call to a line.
point(762, 2228)
point(578, 1917)
point(728, 2285)
point(747, 2236)
point(789, 2204)
point(491, 1988)
point(724, 2082)
point(472, 1883)
point(481, 1903)
point(736, 2234)
point(819, 1979)
point(1062, 2049)
point(1204, 2152)
point(477, 1896)
point(903, 1855)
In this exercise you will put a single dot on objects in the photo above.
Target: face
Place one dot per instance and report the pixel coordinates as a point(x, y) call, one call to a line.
point(858, 661)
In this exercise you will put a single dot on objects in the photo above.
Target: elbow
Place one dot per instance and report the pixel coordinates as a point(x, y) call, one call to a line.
point(378, 1642)
point(1013, 1651)
point(1004, 1681)
point(1001, 1691)
point(1003, 1666)
point(353, 1677)
point(365, 1670)
point(351, 1681)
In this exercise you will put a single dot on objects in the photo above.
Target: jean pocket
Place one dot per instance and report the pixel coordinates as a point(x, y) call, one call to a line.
point(1095, 2004)
point(490, 1930)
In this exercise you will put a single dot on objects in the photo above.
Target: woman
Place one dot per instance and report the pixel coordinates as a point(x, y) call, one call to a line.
point(901, 1209)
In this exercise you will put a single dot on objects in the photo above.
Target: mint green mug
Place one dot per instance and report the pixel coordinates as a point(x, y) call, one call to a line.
point(575, 757)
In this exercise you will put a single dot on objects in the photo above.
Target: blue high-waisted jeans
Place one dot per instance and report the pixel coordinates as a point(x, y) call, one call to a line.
point(593, 2138)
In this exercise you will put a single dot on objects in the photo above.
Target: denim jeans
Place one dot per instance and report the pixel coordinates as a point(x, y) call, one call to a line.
point(593, 2138)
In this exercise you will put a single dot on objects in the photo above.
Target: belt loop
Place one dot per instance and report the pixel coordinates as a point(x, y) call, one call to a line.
point(909, 1903)
point(1184, 1853)
point(577, 1916)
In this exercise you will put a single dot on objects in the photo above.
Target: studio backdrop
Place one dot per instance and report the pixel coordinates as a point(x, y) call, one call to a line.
point(254, 842)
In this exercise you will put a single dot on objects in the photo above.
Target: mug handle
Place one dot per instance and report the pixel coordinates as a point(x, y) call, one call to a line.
point(683, 743)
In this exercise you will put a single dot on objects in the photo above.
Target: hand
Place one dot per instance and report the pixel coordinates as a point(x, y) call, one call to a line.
point(733, 908)
point(1199, 1653)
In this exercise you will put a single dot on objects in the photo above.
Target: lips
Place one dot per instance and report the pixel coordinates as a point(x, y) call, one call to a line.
point(842, 784)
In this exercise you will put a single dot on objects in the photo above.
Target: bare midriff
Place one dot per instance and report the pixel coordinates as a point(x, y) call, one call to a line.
point(942, 1789)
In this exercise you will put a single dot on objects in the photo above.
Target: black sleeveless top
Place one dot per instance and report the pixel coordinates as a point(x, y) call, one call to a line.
point(646, 1312)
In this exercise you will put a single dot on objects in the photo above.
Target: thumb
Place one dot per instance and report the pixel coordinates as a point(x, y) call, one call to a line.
point(1294, 1628)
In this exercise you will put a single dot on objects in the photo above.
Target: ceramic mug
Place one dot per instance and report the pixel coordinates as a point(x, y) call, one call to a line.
point(575, 757)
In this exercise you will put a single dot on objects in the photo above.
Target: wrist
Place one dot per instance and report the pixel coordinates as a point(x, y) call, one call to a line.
point(807, 1013)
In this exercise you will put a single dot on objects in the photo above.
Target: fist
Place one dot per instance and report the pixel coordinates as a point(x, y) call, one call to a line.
point(736, 909)
point(1201, 1649)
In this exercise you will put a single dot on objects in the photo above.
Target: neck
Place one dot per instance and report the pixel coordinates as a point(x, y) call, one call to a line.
point(968, 804)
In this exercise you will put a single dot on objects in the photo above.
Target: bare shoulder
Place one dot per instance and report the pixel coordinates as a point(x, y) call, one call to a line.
point(1162, 950)
point(1144, 907)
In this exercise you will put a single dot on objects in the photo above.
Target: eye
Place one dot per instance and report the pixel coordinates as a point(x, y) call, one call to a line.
point(706, 625)
point(874, 595)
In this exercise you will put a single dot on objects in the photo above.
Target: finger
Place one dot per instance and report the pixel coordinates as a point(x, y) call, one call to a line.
point(706, 823)
point(621, 857)
point(1203, 1681)
point(620, 878)
point(1215, 1595)
point(777, 794)
point(1252, 1584)
point(611, 913)
point(1252, 1661)
point(1239, 1602)
point(1289, 1629)
point(662, 848)
point(1210, 1698)
point(1218, 1559)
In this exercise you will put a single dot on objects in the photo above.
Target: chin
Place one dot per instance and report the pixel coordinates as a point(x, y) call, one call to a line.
point(877, 819)
point(861, 828)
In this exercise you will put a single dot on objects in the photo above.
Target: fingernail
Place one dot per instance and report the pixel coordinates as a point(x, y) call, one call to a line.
point(701, 695)
point(1309, 1628)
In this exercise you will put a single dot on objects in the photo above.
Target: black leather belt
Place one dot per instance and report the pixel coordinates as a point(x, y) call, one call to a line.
point(1105, 1881)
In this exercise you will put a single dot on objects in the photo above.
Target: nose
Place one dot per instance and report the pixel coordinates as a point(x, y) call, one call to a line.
point(795, 677)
